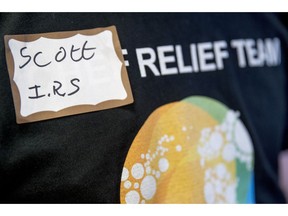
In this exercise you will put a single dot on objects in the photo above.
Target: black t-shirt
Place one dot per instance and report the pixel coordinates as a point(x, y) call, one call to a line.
point(195, 74)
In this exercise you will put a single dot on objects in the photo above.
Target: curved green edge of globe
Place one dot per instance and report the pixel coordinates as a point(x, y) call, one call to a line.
point(245, 192)
point(211, 106)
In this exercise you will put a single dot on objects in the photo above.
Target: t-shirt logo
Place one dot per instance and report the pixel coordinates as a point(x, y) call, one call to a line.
point(193, 151)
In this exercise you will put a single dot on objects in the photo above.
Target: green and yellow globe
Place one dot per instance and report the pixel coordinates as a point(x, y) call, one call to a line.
point(193, 151)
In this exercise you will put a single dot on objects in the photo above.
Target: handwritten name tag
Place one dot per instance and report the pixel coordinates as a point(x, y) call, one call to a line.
point(65, 73)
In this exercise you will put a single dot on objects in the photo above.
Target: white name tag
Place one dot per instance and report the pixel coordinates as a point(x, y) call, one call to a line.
point(57, 71)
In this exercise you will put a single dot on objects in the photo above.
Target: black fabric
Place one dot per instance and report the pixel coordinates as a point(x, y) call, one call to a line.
point(79, 159)
point(283, 17)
